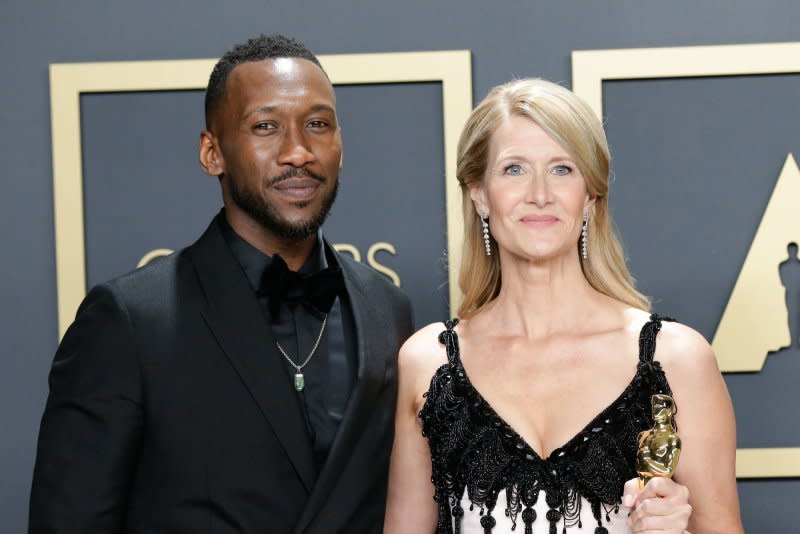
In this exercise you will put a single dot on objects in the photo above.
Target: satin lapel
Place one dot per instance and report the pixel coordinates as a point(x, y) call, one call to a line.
point(237, 321)
point(371, 369)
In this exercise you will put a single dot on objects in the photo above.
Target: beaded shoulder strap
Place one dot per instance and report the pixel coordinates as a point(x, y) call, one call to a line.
point(647, 337)
point(449, 339)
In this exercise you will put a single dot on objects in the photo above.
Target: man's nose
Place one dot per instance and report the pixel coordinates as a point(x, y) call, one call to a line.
point(295, 149)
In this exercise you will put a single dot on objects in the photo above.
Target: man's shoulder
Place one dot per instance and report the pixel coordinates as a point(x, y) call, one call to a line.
point(371, 279)
point(156, 290)
point(165, 272)
point(157, 275)
point(373, 287)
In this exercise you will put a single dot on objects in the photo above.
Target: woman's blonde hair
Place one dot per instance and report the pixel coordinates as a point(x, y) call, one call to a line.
point(574, 126)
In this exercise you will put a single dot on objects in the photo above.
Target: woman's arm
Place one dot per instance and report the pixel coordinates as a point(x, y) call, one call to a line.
point(707, 428)
point(410, 507)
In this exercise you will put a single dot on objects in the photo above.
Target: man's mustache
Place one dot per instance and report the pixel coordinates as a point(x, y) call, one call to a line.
point(294, 173)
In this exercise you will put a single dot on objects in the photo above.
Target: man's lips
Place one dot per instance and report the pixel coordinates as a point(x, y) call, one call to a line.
point(298, 188)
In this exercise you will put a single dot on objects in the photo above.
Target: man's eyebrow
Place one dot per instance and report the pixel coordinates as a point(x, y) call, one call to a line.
point(261, 109)
point(323, 107)
point(271, 109)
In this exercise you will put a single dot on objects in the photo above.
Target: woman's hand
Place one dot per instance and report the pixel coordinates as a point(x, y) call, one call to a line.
point(662, 506)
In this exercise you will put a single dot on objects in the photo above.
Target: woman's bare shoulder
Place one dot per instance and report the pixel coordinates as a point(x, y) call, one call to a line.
point(684, 352)
point(422, 352)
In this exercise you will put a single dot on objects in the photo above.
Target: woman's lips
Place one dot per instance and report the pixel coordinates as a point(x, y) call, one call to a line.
point(539, 221)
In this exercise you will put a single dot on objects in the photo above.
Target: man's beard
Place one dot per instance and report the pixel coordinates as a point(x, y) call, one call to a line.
point(266, 214)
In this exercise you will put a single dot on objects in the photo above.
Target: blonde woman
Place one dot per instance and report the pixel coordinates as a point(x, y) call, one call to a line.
point(523, 414)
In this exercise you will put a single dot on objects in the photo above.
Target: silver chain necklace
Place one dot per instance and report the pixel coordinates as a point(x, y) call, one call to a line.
point(299, 377)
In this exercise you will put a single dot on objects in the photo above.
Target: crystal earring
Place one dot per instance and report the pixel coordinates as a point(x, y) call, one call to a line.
point(486, 241)
point(584, 251)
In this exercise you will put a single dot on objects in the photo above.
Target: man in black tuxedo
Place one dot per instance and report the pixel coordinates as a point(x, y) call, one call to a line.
point(246, 383)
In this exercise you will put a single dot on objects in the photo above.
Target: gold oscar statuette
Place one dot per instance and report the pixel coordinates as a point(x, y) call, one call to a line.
point(659, 447)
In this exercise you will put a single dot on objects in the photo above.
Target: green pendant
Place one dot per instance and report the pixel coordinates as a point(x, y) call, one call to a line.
point(299, 381)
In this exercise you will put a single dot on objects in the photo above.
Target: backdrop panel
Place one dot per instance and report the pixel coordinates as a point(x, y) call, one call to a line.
point(695, 163)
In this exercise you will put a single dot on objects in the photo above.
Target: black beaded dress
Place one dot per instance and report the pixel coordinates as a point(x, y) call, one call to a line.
point(489, 480)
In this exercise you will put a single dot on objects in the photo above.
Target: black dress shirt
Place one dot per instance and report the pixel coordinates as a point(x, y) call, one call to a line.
point(331, 373)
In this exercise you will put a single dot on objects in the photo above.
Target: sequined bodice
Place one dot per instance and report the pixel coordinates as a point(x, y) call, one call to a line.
point(478, 456)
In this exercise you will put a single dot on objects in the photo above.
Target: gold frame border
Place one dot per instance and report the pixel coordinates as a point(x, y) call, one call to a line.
point(453, 68)
point(591, 67)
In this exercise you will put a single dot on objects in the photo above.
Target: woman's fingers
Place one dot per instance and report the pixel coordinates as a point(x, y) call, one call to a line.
point(661, 506)
point(662, 487)
point(630, 492)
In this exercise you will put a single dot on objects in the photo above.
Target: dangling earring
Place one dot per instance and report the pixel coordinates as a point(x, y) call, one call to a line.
point(584, 251)
point(486, 241)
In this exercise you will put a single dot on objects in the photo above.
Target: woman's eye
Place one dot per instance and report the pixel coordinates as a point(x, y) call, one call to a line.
point(513, 169)
point(561, 170)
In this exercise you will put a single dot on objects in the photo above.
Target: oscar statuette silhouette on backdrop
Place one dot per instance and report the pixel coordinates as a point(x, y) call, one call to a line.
point(790, 279)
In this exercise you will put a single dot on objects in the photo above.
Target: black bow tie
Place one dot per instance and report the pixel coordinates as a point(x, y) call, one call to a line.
point(317, 290)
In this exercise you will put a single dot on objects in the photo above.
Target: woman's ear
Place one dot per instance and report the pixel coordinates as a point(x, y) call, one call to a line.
point(588, 204)
point(478, 196)
point(211, 160)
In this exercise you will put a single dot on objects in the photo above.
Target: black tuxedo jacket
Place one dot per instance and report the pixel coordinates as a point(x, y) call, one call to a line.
point(170, 410)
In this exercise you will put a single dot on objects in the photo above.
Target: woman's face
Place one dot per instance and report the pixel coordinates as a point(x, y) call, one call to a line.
point(532, 191)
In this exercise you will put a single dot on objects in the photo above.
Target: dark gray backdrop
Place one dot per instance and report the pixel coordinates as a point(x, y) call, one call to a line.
point(695, 161)
point(391, 189)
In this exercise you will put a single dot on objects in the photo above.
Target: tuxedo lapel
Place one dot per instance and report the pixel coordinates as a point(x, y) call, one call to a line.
point(238, 323)
point(371, 369)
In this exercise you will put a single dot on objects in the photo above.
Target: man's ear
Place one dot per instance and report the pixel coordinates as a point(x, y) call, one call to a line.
point(211, 160)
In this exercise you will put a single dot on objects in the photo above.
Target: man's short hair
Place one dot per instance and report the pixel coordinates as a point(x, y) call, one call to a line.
point(255, 49)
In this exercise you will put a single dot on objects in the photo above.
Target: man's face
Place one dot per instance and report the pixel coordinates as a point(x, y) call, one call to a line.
point(280, 146)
